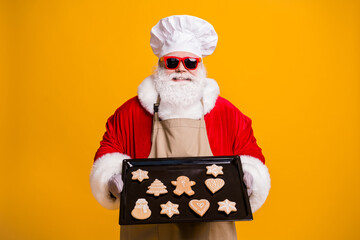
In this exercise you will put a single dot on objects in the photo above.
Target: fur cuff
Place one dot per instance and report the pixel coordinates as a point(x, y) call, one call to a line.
point(103, 169)
point(261, 176)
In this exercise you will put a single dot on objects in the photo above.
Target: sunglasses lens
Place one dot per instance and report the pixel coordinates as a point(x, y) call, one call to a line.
point(191, 63)
point(172, 63)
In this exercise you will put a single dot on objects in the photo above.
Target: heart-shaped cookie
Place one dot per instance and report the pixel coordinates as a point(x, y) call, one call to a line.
point(214, 184)
point(199, 206)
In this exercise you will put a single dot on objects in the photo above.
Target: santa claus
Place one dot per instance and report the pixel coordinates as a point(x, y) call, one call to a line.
point(188, 106)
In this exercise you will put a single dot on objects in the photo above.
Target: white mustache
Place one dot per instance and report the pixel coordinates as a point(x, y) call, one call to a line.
point(182, 75)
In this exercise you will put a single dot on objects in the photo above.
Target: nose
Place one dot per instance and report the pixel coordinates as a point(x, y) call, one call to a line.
point(180, 68)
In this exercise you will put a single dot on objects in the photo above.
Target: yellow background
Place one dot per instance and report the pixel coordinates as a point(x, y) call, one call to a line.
point(291, 65)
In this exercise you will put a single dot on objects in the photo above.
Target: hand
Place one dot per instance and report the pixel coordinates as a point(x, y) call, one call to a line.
point(248, 180)
point(115, 185)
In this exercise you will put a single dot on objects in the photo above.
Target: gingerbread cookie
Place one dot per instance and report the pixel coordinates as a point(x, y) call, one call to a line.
point(139, 175)
point(199, 206)
point(183, 184)
point(169, 209)
point(214, 184)
point(141, 210)
point(157, 188)
point(227, 206)
point(214, 170)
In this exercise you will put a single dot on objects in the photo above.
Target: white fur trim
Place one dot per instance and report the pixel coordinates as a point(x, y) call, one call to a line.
point(103, 169)
point(211, 93)
point(148, 95)
point(261, 184)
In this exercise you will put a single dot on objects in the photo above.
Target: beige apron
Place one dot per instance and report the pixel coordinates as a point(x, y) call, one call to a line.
point(179, 138)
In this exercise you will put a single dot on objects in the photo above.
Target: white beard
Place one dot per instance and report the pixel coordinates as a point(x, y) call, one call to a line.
point(180, 99)
point(181, 93)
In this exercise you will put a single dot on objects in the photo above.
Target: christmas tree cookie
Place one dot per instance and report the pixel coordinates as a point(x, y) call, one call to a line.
point(157, 188)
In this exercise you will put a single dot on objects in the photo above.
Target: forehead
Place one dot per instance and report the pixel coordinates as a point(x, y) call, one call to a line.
point(182, 54)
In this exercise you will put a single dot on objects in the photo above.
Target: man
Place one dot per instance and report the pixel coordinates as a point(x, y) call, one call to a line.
point(189, 101)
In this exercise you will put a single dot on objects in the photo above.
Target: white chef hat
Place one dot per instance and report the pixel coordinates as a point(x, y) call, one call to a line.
point(183, 33)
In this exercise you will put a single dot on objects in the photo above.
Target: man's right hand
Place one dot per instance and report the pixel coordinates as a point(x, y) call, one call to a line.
point(115, 185)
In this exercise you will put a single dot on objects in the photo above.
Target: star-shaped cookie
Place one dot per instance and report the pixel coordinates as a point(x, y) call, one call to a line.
point(169, 209)
point(227, 206)
point(139, 175)
point(214, 170)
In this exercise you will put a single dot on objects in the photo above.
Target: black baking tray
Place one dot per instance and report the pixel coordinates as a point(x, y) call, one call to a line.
point(167, 170)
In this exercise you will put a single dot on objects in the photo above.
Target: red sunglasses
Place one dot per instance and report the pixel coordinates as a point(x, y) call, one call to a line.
point(172, 62)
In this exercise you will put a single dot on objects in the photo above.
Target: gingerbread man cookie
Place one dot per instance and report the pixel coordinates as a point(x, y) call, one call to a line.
point(183, 184)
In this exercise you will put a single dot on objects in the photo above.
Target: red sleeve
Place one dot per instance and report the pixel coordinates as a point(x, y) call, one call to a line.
point(110, 142)
point(245, 142)
point(128, 127)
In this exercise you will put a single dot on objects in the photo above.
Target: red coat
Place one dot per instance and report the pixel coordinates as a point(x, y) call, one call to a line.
point(128, 131)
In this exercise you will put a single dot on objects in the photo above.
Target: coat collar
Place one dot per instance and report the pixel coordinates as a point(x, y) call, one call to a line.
point(148, 95)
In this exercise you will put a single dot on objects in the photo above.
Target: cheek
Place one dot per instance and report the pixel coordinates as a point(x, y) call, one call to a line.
point(194, 72)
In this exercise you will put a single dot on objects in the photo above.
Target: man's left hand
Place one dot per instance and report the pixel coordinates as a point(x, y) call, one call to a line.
point(248, 180)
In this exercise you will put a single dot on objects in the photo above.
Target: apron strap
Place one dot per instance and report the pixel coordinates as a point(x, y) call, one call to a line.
point(202, 104)
point(156, 117)
point(156, 109)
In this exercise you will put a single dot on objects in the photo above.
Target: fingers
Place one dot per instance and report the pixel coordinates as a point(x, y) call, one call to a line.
point(116, 185)
point(248, 180)
point(249, 191)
